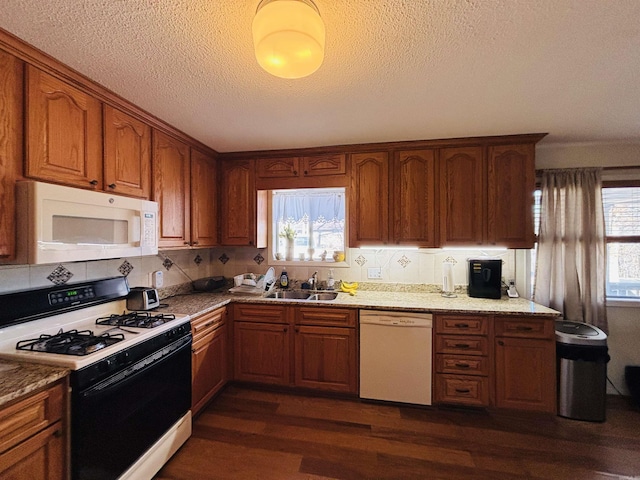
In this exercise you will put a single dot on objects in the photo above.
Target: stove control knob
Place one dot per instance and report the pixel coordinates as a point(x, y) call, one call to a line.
point(122, 357)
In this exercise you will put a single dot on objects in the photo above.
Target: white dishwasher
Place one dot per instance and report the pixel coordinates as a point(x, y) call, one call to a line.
point(395, 356)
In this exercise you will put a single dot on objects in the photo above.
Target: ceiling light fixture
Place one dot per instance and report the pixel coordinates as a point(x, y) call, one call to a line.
point(288, 36)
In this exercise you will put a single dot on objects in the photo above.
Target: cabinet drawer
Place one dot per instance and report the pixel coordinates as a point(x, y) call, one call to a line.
point(524, 327)
point(453, 324)
point(29, 416)
point(462, 390)
point(326, 316)
point(207, 323)
point(464, 364)
point(260, 313)
point(467, 345)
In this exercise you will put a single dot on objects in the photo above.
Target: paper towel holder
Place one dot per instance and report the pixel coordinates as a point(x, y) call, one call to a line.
point(448, 287)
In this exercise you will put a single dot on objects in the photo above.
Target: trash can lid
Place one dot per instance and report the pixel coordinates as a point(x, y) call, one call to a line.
point(577, 333)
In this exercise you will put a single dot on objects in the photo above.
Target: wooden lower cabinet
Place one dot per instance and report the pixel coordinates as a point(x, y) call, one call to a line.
point(33, 436)
point(306, 347)
point(209, 358)
point(261, 352)
point(501, 361)
point(325, 358)
point(525, 364)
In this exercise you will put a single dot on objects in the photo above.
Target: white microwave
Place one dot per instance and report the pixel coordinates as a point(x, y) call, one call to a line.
point(64, 224)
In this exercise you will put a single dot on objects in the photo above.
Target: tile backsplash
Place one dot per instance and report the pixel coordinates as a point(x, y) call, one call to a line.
point(178, 266)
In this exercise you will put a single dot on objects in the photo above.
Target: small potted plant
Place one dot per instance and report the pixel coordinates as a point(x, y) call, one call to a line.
point(288, 233)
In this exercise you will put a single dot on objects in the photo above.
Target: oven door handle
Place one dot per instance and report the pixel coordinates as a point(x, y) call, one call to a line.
point(129, 374)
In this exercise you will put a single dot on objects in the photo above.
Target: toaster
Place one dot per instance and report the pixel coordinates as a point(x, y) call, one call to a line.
point(142, 298)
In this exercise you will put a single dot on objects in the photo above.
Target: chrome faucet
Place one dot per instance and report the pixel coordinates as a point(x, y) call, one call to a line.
point(314, 281)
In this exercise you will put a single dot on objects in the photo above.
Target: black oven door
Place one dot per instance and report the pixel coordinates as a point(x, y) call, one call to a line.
point(114, 422)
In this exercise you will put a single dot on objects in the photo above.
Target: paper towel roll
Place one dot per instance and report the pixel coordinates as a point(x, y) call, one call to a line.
point(447, 277)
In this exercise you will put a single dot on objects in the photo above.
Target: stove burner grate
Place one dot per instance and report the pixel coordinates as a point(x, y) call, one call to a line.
point(136, 319)
point(71, 342)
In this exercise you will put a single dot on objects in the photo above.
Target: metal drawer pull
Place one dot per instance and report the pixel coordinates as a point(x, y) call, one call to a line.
point(524, 328)
point(462, 345)
point(463, 365)
point(463, 390)
point(461, 325)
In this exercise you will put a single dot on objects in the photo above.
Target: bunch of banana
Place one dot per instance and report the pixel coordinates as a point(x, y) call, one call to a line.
point(349, 288)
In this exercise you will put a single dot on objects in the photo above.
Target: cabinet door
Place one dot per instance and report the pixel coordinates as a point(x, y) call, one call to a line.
point(42, 456)
point(171, 189)
point(64, 132)
point(414, 200)
point(281, 167)
point(369, 199)
point(510, 190)
point(237, 203)
point(525, 374)
point(209, 367)
point(461, 196)
point(321, 165)
point(261, 352)
point(11, 107)
point(325, 358)
point(127, 154)
point(204, 204)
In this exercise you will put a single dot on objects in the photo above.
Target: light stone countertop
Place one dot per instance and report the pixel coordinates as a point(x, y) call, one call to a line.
point(196, 304)
point(18, 378)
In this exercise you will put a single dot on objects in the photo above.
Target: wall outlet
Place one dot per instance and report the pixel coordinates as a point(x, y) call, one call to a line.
point(374, 272)
point(157, 279)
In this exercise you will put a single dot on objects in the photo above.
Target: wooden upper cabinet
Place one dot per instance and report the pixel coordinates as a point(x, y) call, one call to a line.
point(414, 198)
point(171, 187)
point(243, 213)
point(369, 199)
point(510, 189)
point(204, 204)
point(462, 175)
point(127, 154)
point(280, 167)
point(11, 107)
point(64, 132)
point(313, 171)
point(321, 165)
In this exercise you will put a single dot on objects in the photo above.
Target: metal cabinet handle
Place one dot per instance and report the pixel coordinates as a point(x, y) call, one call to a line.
point(295, 172)
point(500, 342)
point(463, 390)
point(524, 328)
point(112, 185)
point(306, 173)
point(461, 325)
point(463, 365)
point(462, 345)
point(93, 182)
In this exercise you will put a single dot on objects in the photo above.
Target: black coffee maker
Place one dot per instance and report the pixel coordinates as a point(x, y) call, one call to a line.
point(485, 278)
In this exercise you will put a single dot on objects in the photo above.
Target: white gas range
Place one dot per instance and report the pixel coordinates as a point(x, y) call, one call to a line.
point(130, 372)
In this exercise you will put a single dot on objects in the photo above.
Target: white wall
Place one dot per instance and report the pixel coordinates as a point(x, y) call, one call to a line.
point(624, 322)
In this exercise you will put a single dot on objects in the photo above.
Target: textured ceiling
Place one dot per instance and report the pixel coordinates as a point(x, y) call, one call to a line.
point(393, 69)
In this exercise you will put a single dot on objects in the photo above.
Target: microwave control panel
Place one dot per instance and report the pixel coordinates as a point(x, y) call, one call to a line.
point(148, 229)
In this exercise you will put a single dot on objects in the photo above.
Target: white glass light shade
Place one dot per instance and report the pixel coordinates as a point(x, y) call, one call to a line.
point(288, 36)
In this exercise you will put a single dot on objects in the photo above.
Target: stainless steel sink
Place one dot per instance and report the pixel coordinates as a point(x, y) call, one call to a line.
point(290, 295)
point(296, 295)
point(323, 296)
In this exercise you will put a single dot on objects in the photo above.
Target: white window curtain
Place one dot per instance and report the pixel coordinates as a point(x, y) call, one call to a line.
point(571, 259)
point(317, 216)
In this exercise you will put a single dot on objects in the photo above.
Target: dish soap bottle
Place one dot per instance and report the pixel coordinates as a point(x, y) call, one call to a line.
point(284, 279)
point(330, 280)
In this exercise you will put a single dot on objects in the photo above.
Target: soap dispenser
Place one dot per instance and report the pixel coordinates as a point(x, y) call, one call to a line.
point(284, 279)
point(330, 280)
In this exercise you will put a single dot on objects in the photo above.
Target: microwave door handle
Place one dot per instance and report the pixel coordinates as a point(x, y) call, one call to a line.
point(137, 222)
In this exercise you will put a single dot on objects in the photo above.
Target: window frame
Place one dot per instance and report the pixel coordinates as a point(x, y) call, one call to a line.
point(610, 301)
point(297, 263)
point(620, 301)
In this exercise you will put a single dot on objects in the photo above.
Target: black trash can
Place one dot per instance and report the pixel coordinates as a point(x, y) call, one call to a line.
point(582, 357)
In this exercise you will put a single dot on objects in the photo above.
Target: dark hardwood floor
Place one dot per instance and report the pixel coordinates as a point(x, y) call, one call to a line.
point(254, 434)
